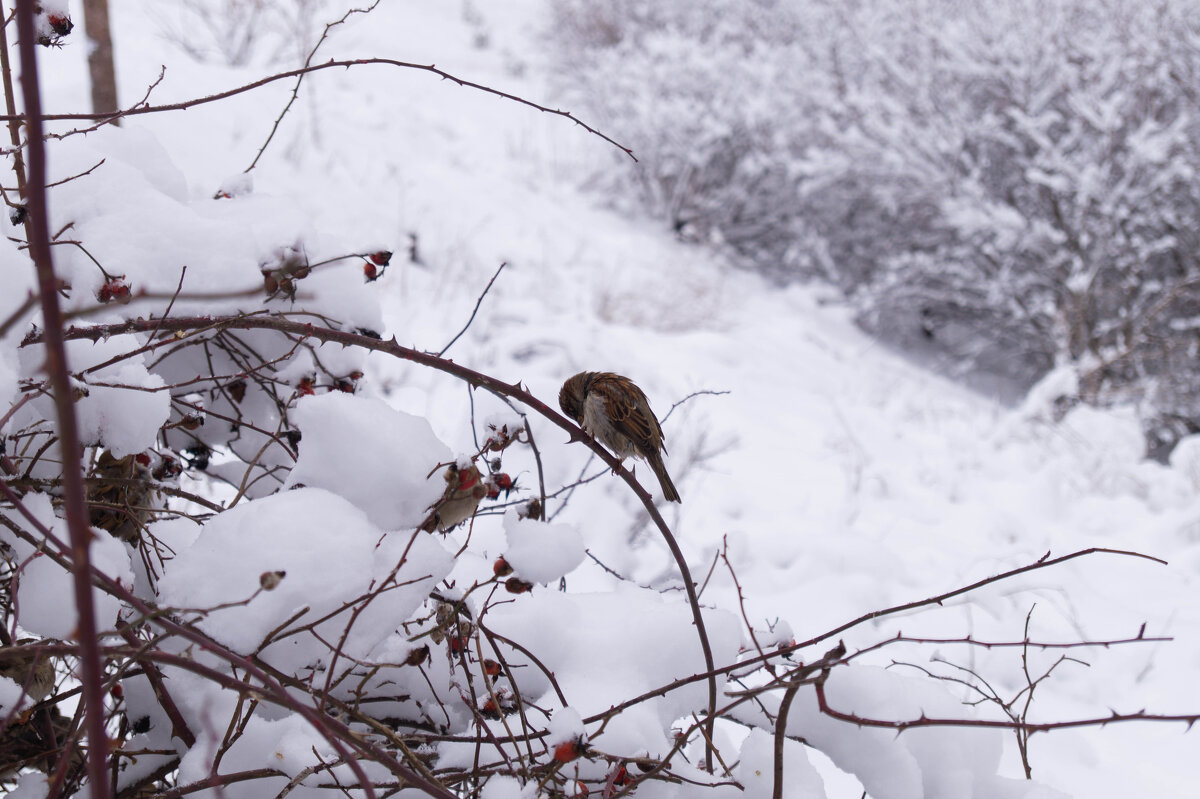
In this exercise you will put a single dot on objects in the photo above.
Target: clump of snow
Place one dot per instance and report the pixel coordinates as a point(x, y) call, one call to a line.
point(565, 725)
point(332, 555)
point(1185, 458)
point(237, 185)
point(1048, 397)
point(541, 552)
point(12, 696)
point(606, 647)
point(755, 769)
point(506, 788)
point(140, 150)
point(122, 409)
point(31, 785)
point(503, 425)
point(54, 6)
point(381, 460)
point(289, 745)
point(778, 634)
point(46, 591)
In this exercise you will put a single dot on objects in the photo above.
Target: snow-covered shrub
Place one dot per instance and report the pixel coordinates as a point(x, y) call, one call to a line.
point(301, 590)
point(1010, 183)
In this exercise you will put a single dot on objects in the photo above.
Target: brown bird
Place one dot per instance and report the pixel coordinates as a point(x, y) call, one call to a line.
point(616, 412)
point(121, 495)
point(464, 489)
point(28, 667)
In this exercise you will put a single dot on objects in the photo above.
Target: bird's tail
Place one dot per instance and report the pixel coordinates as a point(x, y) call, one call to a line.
point(660, 471)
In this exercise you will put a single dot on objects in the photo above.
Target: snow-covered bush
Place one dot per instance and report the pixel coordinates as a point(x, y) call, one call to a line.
point(1010, 183)
point(228, 567)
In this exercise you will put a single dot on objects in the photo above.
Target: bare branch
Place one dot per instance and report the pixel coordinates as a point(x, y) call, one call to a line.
point(331, 64)
point(478, 302)
point(68, 431)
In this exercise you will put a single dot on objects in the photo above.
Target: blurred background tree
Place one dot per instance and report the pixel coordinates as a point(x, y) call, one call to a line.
point(1005, 189)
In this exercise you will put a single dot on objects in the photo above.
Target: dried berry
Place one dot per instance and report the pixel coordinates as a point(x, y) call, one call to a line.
point(61, 24)
point(271, 580)
point(237, 390)
point(168, 469)
point(530, 510)
point(115, 289)
point(501, 568)
point(500, 482)
point(567, 751)
point(490, 709)
point(515, 585)
point(417, 656)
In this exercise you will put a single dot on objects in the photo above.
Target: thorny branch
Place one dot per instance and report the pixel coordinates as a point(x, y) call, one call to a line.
point(68, 431)
point(105, 117)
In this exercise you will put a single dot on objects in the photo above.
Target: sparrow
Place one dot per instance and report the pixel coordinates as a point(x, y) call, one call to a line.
point(120, 495)
point(464, 489)
point(27, 667)
point(616, 412)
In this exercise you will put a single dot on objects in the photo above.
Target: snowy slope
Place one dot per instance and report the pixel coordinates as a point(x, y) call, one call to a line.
point(843, 479)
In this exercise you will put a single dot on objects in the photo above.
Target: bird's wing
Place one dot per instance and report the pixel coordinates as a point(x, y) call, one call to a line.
point(629, 411)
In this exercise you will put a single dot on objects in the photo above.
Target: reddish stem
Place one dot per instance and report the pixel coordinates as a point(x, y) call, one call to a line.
point(74, 501)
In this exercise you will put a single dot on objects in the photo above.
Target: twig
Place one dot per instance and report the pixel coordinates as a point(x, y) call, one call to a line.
point(116, 115)
point(171, 303)
point(82, 174)
point(1023, 643)
point(179, 727)
point(1024, 726)
point(724, 555)
point(705, 392)
point(600, 563)
point(108, 116)
point(14, 121)
point(56, 366)
point(21, 310)
point(781, 718)
point(1045, 561)
point(478, 302)
point(300, 79)
point(537, 458)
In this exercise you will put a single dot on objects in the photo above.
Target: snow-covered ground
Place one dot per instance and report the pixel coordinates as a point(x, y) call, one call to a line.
point(842, 478)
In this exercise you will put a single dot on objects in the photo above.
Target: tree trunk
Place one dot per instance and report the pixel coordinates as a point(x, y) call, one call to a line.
point(100, 57)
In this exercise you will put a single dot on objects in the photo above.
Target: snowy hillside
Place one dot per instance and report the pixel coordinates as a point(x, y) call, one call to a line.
point(838, 478)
